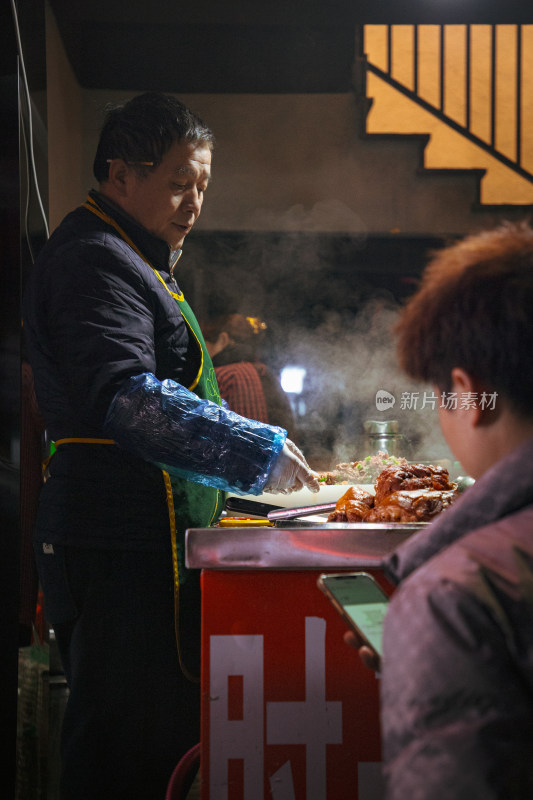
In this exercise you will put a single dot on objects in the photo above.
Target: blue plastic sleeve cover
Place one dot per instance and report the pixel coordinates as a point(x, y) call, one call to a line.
point(165, 423)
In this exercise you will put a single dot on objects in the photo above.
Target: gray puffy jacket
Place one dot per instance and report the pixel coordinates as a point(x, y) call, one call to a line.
point(457, 678)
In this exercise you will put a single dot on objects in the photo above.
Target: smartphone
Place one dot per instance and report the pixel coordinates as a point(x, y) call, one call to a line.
point(361, 602)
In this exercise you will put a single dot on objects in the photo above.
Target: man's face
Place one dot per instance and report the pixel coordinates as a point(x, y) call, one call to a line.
point(169, 200)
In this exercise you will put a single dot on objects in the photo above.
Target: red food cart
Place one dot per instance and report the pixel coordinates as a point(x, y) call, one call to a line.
point(288, 710)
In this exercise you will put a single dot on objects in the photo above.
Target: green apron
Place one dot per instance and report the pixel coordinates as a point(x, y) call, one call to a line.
point(190, 505)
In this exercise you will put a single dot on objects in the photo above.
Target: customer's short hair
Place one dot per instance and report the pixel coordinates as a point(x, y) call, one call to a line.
point(144, 129)
point(474, 309)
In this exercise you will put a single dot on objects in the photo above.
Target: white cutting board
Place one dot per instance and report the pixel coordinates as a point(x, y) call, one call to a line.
point(304, 497)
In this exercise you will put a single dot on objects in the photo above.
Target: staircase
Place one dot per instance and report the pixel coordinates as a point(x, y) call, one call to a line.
point(468, 89)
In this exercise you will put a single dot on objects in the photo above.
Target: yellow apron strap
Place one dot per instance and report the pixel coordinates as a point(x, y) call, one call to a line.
point(90, 205)
point(84, 441)
point(175, 568)
point(70, 440)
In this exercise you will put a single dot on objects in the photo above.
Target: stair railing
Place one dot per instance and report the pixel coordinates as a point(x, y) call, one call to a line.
point(438, 110)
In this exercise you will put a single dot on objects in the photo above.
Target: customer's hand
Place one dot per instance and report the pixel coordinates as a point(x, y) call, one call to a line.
point(291, 472)
point(369, 658)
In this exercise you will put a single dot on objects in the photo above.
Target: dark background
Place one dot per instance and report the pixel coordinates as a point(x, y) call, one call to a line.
point(241, 45)
point(184, 47)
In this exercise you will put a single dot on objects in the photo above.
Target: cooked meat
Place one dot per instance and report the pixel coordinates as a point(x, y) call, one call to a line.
point(364, 471)
point(352, 506)
point(413, 476)
point(419, 505)
point(404, 493)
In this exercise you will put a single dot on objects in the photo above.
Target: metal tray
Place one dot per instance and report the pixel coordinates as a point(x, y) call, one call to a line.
point(332, 545)
point(376, 527)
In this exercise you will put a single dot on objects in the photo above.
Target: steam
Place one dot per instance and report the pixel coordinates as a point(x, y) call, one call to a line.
point(349, 358)
point(325, 216)
point(322, 315)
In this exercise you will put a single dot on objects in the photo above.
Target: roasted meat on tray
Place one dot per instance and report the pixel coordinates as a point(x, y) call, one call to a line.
point(412, 476)
point(419, 505)
point(352, 506)
point(403, 493)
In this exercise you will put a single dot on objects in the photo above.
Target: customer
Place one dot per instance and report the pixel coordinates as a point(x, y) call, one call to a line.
point(457, 672)
point(247, 385)
point(144, 451)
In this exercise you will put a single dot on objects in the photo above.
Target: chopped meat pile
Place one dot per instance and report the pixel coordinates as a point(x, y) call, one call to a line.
point(364, 471)
point(412, 493)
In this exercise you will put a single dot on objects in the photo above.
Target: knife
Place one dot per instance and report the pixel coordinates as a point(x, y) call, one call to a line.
point(303, 511)
point(243, 505)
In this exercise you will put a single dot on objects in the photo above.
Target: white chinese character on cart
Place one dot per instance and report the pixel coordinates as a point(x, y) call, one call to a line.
point(314, 722)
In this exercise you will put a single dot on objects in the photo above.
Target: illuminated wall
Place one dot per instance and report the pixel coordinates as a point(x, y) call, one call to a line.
point(296, 162)
point(393, 112)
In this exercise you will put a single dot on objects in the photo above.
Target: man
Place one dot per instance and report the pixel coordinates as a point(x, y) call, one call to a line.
point(143, 451)
point(247, 385)
point(457, 671)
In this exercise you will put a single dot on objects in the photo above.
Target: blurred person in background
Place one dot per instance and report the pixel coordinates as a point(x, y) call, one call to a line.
point(143, 450)
point(245, 383)
point(457, 669)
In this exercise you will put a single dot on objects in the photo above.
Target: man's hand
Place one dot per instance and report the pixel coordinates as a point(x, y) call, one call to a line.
point(291, 472)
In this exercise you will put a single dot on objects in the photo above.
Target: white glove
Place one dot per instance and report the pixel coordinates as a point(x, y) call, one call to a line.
point(291, 472)
point(296, 451)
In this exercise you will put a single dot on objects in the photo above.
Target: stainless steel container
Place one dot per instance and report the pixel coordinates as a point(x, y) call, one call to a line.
point(383, 435)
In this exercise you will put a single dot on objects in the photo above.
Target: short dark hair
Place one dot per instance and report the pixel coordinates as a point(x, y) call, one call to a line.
point(144, 129)
point(474, 310)
point(237, 326)
point(245, 338)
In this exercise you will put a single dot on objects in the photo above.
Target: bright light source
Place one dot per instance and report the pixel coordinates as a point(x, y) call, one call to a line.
point(292, 379)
